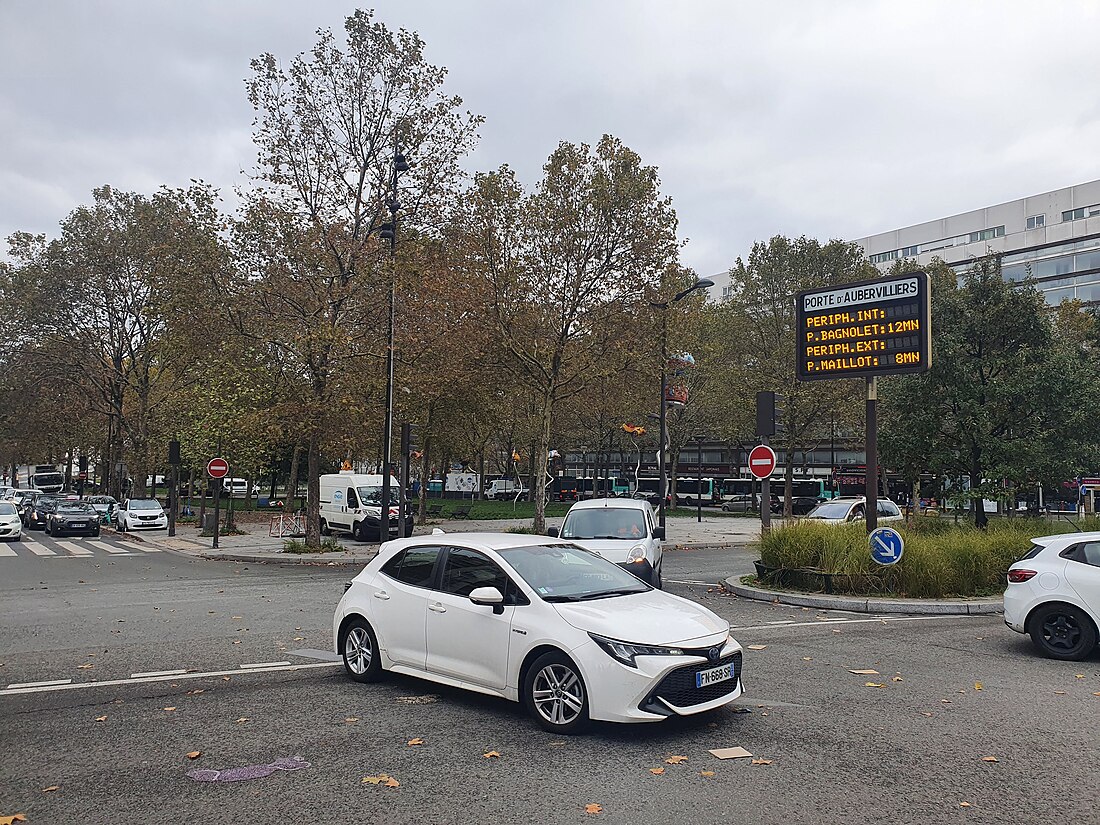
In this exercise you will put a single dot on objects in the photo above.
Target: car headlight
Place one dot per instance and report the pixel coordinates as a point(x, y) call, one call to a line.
point(625, 651)
point(636, 554)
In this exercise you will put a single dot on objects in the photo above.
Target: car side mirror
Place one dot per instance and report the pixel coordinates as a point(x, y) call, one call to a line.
point(488, 597)
point(659, 533)
point(552, 532)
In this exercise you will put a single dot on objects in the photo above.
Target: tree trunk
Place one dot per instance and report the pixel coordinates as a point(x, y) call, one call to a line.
point(313, 491)
point(980, 519)
point(788, 483)
point(541, 459)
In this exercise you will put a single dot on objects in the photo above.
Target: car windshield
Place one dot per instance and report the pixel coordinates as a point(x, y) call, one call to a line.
point(830, 510)
point(75, 508)
point(144, 504)
point(566, 573)
point(7, 509)
point(604, 523)
point(373, 495)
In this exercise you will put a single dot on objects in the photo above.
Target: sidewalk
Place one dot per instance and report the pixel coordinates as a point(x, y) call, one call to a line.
point(257, 546)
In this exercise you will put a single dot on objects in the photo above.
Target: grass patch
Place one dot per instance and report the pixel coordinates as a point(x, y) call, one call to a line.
point(941, 559)
point(328, 545)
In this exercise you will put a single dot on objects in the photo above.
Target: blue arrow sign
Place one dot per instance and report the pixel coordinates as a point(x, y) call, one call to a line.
point(887, 545)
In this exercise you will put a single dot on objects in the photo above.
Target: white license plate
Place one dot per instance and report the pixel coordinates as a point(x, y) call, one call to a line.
point(77, 525)
point(713, 676)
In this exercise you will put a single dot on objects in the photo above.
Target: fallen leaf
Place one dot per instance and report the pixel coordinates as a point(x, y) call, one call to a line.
point(1097, 693)
point(170, 709)
point(657, 771)
point(381, 779)
point(730, 753)
point(195, 692)
point(675, 760)
point(945, 701)
point(194, 754)
point(491, 755)
point(237, 617)
point(807, 658)
point(990, 759)
point(896, 679)
point(391, 783)
point(226, 678)
point(351, 720)
point(761, 761)
point(242, 720)
point(977, 686)
point(592, 808)
point(236, 641)
point(757, 647)
point(87, 666)
point(864, 672)
point(417, 741)
point(1079, 676)
point(557, 744)
point(874, 684)
point(707, 774)
point(11, 820)
point(1059, 693)
point(964, 804)
point(925, 713)
point(51, 789)
point(101, 718)
point(297, 639)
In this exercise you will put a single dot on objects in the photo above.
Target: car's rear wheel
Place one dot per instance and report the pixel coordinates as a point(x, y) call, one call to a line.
point(359, 648)
point(325, 530)
point(1062, 631)
point(555, 695)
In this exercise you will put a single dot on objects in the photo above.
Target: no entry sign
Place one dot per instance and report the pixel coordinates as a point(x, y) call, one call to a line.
point(217, 468)
point(762, 461)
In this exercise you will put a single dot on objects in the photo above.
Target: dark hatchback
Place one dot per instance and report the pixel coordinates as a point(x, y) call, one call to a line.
point(72, 517)
point(38, 510)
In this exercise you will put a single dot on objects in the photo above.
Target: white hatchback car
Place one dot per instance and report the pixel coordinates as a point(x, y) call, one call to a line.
point(845, 509)
point(622, 530)
point(11, 526)
point(142, 514)
point(1053, 595)
point(537, 620)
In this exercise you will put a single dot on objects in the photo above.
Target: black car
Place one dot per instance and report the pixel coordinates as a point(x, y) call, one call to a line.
point(69, 517)
point(34, 516)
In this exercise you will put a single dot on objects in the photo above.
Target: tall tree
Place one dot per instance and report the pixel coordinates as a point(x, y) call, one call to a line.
point(565, 270)
point(327, 132)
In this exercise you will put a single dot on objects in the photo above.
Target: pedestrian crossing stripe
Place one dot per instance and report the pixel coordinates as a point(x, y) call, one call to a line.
point(6, 551)
point(41, 550)
point(71, 549)
point(74, 549)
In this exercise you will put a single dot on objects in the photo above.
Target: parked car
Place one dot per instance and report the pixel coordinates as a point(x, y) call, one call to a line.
point(506, 488)
point(11, 526)
point(1053, 595)
point(623, 531)
point(853, 508)
point(538, 620)
point(105, 507)
point(653, 498)
point(142, 514)
point(72, 516)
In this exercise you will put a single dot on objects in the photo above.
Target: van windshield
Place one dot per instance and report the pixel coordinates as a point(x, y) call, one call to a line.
point(373, 495)
point(604, 523)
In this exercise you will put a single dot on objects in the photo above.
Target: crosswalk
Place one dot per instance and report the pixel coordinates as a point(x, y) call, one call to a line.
point(31, 545)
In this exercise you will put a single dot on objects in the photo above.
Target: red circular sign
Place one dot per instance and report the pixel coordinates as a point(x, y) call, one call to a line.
point(217, 468)
point(762, 461)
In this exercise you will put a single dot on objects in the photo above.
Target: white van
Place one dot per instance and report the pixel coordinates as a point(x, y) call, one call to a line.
point(351, 503)
point(505, 488)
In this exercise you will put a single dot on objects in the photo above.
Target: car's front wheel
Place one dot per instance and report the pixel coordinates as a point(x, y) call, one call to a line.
point(555, 695)
point(359, 648)
point(1062, 631)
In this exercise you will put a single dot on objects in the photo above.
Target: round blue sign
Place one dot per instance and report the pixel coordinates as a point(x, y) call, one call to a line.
point(887, 545)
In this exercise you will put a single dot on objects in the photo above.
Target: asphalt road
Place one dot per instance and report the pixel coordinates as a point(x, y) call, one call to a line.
point(836, 749)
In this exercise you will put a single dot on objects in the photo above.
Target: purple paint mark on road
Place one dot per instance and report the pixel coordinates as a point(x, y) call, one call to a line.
point(293, 763)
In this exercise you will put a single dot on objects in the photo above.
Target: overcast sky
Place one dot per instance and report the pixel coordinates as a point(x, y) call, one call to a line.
point(830, 119)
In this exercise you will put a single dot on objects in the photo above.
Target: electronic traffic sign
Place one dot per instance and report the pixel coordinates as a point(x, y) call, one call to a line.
point(862, 329)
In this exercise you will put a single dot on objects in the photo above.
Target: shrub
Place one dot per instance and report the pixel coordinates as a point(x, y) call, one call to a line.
point(328, 545)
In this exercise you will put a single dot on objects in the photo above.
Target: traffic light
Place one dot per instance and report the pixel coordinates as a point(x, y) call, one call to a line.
point(173, 452)
point(82, 463)
point(765, 413)
point(409, 440)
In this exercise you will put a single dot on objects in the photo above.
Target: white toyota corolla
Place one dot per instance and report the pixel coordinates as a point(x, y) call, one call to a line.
point(536, 620)
point(1053, 595)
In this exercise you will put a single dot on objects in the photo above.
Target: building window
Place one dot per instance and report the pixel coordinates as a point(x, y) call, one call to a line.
point(1081, 212)
point(883, 257)
point(1035, 221)
point(910, 251)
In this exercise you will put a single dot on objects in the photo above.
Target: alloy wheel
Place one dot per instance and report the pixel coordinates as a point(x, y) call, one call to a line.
point(358, 650)
point(558, 694)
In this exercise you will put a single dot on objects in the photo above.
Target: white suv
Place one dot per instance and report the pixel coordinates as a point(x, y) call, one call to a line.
point(622, 530)
point(1054, 595)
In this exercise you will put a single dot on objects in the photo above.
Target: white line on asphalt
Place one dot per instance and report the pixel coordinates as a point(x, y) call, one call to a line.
point(264, 665)
point(689, 581)
point(6, 551)
point(49, 688)
point(74, 549)
point(54, 683)
point(157, 673)
point(110, 548)
point(40, 550)
point(783, 621)
point(852, 621)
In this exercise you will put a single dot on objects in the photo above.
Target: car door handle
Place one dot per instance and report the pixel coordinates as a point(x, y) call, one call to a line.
point(437, 608)
point(381, 594)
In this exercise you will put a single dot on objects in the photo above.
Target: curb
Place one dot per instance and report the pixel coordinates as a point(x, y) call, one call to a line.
point(287, 558)
point(866, 605)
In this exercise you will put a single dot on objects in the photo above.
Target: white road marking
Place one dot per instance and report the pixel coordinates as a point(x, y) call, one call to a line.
point(689, 581)
point(6, 551)
point(54, 683)
point(158, 673)
point(49, 688)
point(74, 549)
point(110, 548)
point(264, 665)
point(41, 550)
point(772, 626)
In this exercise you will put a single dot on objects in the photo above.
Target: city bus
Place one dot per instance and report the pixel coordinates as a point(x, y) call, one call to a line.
point(690, 490)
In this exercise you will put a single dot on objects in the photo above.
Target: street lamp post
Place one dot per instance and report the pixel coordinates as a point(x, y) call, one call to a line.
point(662, 484)
point(388, 231)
